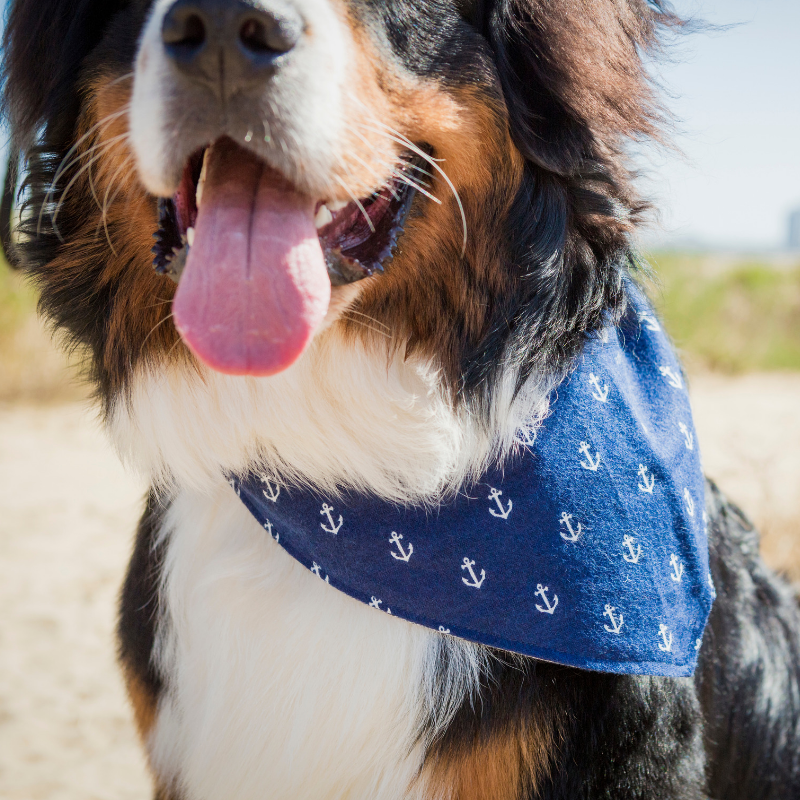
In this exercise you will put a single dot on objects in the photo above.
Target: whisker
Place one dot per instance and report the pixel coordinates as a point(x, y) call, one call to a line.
point(155, 328)
point(125, 77)
point(356, 201)
point(417, 168)
point(365, 325)
point(107, 204)
point(398, 137)
point(75, 177)
point(374, 171)
point(161, 302)
point(367, 316)
point(405, 179)
point(66, 163)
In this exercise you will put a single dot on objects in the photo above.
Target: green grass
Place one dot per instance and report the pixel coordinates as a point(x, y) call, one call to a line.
point(727, 314)
point(17, 303)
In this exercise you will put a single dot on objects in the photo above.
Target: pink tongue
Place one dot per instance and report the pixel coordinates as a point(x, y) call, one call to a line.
point(255, 286)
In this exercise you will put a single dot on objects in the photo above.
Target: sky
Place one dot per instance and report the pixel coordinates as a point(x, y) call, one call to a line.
point(736, 95)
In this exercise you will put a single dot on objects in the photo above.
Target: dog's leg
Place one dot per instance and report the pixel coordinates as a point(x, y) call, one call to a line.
point(749, 672)
point(138, 617)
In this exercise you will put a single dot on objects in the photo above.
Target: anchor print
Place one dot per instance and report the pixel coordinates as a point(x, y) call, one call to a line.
point(599, 393)
point(494, 494)
point(269, 529)
point(574, 533)
point(542, 592)
point(401, 555)
point(442, 629)
point(473, 581)
point(375, 603)
point(650, 322)
point(687, 496)
point(647, 481)
point(273, 490)
point(232, 484)
point(634, 553)
point(677, 566)
point(317, 570)
point(673, 378)
point(331, 528)
point(688, 436)
point(616, 622)
point(590, 463)
point(666, 645)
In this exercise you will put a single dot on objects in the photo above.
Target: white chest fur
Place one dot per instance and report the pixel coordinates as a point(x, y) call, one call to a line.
point(279, 686)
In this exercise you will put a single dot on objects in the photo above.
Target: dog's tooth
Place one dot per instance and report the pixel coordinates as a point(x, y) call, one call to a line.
point(323, 217)
point(336, 205)
point(190, 236)
point(202, 180)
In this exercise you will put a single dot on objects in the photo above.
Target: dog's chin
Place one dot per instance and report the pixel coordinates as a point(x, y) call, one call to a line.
point(260, 266)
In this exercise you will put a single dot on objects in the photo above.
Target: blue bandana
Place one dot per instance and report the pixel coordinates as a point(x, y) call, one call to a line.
point(588, 548)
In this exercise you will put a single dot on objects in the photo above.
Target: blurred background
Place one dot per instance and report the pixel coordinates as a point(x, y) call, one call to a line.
point(726, 255)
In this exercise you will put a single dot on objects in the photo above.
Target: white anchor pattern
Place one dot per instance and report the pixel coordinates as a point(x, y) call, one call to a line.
point(600, 391)
point(502, 513)
point(589, 461)
point(647, 482)
point(473, 580)
point(331, 527)
point(593, 550)
point(401, 554)
point(270, 529)
point(616, 621)
point(572, 534)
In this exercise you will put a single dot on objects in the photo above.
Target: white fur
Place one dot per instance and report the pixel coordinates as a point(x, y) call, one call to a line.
point(347, 414)
point(280, 686)
point(302, 105)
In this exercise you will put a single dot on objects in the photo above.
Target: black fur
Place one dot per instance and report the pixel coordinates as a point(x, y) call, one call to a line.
point(732, 733)
point(748, 678)
point(139, 602)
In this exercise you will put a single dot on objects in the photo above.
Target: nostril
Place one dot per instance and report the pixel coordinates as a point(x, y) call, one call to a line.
point(184, 32)
point(253, 35)
point(265, 34)
point(194, 33)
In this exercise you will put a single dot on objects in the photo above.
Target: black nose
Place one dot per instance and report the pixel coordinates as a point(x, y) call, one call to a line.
point(229, 44)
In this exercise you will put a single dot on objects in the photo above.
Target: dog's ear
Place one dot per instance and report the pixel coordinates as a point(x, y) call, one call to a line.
point(44, 46)
point(573, 75)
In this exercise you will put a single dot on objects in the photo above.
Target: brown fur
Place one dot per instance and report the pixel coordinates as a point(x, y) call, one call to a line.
point(143, 702)
point(506, 764)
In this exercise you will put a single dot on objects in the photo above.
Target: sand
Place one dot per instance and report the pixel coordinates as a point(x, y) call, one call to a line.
point(67, 511)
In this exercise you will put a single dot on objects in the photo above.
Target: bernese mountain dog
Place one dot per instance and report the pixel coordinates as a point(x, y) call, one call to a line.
point(357, 246)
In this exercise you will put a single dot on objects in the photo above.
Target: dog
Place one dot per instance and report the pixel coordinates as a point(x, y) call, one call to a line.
point(340, 248)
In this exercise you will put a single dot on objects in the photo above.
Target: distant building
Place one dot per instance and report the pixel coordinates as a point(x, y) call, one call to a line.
point(794, 230)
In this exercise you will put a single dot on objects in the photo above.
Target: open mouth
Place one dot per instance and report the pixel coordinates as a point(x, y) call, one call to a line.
point(357, 238)
point(255, 259)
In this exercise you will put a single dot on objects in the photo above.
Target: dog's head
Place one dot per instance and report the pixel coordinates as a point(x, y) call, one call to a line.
point(446, 173)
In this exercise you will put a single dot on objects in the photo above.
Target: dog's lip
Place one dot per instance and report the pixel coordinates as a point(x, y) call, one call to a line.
point(358, 236)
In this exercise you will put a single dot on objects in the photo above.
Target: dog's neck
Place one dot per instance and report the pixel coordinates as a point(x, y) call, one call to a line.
point(347, 415)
